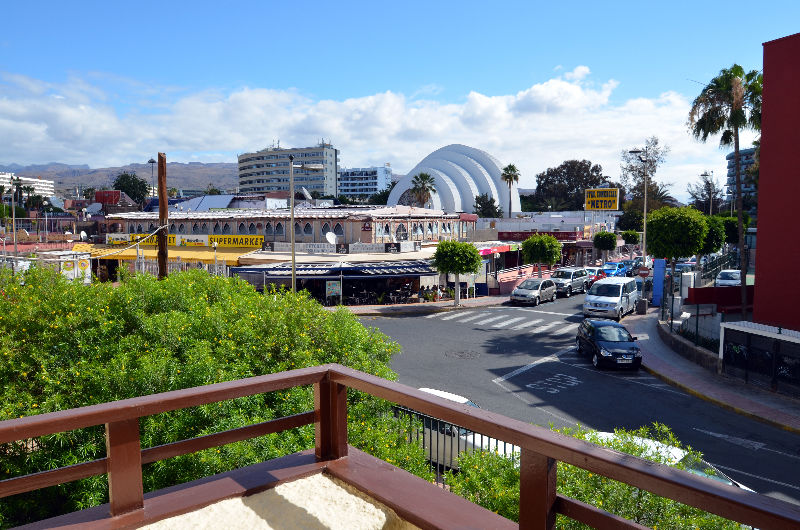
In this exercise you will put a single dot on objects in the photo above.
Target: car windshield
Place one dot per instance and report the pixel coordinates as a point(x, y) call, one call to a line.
point(612, 334)
point(610, 266)
point(591, 271)
point(726, 275)
point(628, 262)
point(605, 289)
point(561, 274)
point(530, 285)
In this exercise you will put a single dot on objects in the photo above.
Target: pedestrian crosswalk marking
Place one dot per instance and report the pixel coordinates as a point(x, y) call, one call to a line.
point(507, 322)
point(545, 327)
point(487, 320)
point(473, 317)
point(451, 316)
point(527, 324)
point(433, 315)
point(566, 329)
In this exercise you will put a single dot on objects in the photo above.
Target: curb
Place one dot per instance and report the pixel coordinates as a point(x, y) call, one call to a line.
point(425, 311)
point(718, 402)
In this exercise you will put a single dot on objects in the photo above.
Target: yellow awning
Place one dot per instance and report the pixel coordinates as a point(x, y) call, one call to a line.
point(230, 256)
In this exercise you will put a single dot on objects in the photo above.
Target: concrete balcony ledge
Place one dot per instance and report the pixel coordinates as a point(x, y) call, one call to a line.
point(297, 491)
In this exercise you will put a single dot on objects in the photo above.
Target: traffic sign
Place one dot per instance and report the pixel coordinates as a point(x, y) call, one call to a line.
point(644, 272)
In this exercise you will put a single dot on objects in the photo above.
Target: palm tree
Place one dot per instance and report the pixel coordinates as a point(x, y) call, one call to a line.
point(2, 203)
point(730, 102)
point(510, 176)
point(423, 186)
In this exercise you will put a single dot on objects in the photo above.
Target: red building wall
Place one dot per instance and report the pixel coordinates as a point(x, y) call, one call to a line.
point(778, 251)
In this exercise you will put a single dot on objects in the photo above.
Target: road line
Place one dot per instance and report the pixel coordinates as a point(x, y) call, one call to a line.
point(549, 312)
point(507, 322)
point(473, 317)
point(566, 329)
point(549, 359)
point(517, 394)
point(545, 327)
point(528, 323)
point(487, 320)
point(759, 477)
point(434, 315)
point(454, 314)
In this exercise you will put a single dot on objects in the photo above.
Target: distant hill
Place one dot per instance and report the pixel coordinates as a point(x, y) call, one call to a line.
point(194, 175)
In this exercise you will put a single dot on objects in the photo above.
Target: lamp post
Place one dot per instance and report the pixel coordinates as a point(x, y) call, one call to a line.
point(315, 167)
point(152, 181)
point(45, 204)
point(214, 244)
point(643, 160)
point(710, 190)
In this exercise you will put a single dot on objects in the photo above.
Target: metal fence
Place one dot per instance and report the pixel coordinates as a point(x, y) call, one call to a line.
point(712, 267)
point(443, 441)
point(150, 266)
point(762, 361)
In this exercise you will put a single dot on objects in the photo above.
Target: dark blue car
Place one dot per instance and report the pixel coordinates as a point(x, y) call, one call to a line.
point(608, 343)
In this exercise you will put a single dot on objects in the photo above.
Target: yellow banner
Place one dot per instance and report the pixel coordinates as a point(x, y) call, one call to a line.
point(602, 199)
point(153, 240)
point(236, 241)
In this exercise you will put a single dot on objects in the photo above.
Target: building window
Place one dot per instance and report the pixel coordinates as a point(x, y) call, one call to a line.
point(172, 228)
point(279, 229)
point(216, 228)
point(252, 229)
point(308, 229)
point(387, 230)
point(152, 228)
point(195, 228)
point(298, 231)
point(204, 228)
point(430, 229)
point(226, 228)
point(401, 233)
point(242, 229)
point(338, 230)
point(268, 229)
point(181, 229)
point(139, 229)
point(326, 228)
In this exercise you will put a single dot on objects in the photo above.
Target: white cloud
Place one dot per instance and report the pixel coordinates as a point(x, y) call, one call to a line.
point(562, 118)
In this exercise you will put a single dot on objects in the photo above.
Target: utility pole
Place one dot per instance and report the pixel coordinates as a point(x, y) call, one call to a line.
point(163, 219)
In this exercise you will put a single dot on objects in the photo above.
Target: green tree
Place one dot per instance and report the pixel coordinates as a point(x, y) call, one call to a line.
point(714, 240)
point(382, 197)
point(88, 193)
point(605, 241)
point(541, 248)
point(631, 219)
point(731, 226)
point(510, 175)
point(423, 186)
point(486, 206)
point(729, 103)
point(705, 194)
point(568, 183)
point(455, 257)
point(631, 238)
point(527, 203)
point(82, 345)
point(492, 481)
point(134, 187)
point(213, 190)
point(675, 233)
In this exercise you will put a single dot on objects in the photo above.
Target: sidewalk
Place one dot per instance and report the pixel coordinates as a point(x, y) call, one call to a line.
point(658, 359)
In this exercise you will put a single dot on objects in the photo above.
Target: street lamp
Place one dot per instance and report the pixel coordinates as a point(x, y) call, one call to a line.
point(643, 160)
point(710, 190)
point(214, 244)
point(152, 182)
point(313, 167)
point(45, 204)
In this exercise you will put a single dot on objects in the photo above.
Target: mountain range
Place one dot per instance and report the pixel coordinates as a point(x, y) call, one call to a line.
point(193, 175)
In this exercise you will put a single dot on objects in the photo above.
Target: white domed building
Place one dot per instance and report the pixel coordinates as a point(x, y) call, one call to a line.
point(460, 173)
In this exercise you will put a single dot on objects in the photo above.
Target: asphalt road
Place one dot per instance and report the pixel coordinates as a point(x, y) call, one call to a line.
point(522, 362)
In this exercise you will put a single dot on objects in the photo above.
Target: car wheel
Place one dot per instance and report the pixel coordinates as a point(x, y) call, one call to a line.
point(578, 345)
point(554, 297)
point(568, 292)
point(535, 301)
point(595, 361)
point(620, 313)
point(585, 287)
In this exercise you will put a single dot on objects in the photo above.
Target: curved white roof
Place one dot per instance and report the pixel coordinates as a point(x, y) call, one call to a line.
point(460, 173)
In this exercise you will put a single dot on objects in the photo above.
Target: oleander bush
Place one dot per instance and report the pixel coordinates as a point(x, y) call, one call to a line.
point(491, 480)
point(65, 345)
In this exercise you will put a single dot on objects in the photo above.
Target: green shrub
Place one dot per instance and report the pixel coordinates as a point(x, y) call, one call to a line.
point(65, 345)
point(492, 481)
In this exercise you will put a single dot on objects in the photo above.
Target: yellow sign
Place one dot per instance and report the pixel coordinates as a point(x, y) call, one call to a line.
point(236, 241)
point(83, 264)
point(602, 199)
point(153, 239)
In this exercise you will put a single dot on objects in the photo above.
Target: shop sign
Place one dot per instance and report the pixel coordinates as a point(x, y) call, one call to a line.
point(236, 241)
point(333, 288)
point(148, 239)
point(268, 246)
point(342, 248)
point(391, 248)
point(366, 227)
point(522, 236)
point(115, 239)
point(192, 241)
point(602, 199)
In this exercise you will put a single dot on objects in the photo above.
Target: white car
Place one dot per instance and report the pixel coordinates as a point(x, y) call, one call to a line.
point(444, 441)
point(672, 455)
point(728, 278)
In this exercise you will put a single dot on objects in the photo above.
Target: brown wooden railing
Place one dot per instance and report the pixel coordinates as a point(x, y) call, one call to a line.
point(541, 448)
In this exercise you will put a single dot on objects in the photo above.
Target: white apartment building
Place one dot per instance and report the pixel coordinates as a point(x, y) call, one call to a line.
point(268, 169)
point(45, 188)
point(361, 181)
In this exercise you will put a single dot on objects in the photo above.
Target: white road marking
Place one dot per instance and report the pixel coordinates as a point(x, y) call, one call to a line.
point(750, 444)
point(473, 317)
point(553, 358)
point(545, 327)
point(487, 320)
point(528, 323)
point(507, 322)
point(454, 314)
point(434, 315)
point(759, 477)
point(548, 312)
point(566, 329)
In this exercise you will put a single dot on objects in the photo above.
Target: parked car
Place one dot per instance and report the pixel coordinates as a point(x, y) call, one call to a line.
point(728, 278)
point(630, 266)
point(443, 441)
point(608, 343)
point(674, 456)
point(685, 266)
point(533, 291)
point(570, 280)
point(615, 268)
point(611, 298)
point(594, 274)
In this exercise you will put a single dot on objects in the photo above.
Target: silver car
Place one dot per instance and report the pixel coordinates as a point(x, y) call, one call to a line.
point(570, 280)
point(533, 291)
point(728, 278)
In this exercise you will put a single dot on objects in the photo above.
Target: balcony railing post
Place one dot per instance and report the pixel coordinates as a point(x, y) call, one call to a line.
point(537, 491)
point(330, 406)
point(124, 454)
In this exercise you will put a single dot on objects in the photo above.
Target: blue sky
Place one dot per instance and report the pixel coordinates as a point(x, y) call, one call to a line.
point(534, 83)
